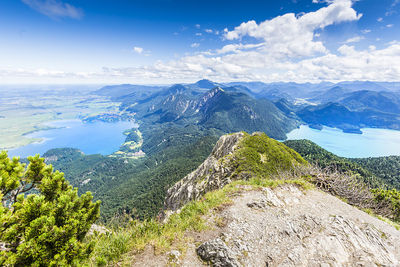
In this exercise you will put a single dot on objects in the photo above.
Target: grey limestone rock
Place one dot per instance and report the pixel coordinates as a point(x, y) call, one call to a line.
point(217, 253)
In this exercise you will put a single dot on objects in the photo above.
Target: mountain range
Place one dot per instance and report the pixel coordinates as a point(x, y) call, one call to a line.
point(179, 125)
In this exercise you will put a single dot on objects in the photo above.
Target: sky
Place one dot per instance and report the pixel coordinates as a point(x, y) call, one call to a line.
point(170, 41)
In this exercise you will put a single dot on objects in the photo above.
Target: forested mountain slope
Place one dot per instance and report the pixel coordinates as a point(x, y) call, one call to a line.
point(376, 172)
point(388, 168)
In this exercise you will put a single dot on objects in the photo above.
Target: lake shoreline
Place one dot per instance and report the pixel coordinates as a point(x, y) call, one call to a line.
point(372, 142)
point(92, 138)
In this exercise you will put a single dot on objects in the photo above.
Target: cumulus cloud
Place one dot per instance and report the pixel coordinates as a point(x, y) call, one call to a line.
point(138, 49)
point(194, 45)
point(55, 8)
point(293, 35)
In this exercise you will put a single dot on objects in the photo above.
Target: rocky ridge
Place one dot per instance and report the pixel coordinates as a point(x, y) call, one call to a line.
point(282, 226)
point(235, 156)
point(212, 174)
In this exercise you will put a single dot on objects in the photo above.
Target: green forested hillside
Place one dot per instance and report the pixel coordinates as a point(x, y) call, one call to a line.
point(136, 187)
point(388, 168)
point(327, 160)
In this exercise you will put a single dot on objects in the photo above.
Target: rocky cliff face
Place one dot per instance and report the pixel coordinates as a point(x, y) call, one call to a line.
point(213, 173)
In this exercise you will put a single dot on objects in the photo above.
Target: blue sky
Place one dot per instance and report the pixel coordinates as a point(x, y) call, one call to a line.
point(165, 41)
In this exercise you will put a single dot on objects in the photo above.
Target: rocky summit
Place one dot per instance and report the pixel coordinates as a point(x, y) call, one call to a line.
point(235, 156)
point(284, 225)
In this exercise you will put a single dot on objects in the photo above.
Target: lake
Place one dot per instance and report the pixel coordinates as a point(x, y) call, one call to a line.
point(91, 138)
point(371, 143)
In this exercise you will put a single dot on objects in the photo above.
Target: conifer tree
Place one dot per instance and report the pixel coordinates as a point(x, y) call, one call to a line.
point(43, 221)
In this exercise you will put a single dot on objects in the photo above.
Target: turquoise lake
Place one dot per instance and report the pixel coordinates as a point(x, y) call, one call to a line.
point(105, 138)
point(371, 143)
point(91, 138)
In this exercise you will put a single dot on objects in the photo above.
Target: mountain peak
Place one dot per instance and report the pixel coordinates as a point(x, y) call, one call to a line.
point(207, 84)
point(231, 159)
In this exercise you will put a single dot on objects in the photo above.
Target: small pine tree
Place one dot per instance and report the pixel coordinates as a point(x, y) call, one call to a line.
point(47, 226)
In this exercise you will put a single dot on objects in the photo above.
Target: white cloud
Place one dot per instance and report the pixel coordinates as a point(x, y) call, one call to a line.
point(366, 31)
point(354, 39)
point(379, 19)
point(55, 8)
point(138, 49)
point(208, 31)
point(230, 48)
point(195, 45)
point(389, 25)
point(198, 34)
point(294, 36)
point(281, 49)
point(197, 26)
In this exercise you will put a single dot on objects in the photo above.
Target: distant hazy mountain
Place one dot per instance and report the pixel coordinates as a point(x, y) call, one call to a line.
point(363, 85)
point(232, 111)
point(382, 101)
point(337, 115)
point(116, 91)
point(277, 90)
point(347, 105)
point(205, 84)
point(226, 109)
point(333, 94)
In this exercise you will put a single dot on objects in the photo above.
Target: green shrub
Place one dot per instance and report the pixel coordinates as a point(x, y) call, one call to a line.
point(390, 199)
point(262, 156)
point(46, 227)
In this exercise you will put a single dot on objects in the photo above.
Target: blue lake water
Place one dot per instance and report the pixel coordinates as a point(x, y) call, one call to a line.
point(371, 143)
point(91, 138)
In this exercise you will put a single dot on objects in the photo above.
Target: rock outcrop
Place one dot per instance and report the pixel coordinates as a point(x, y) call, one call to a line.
point(212, 174)
point(235, 156)
point(286, 227)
